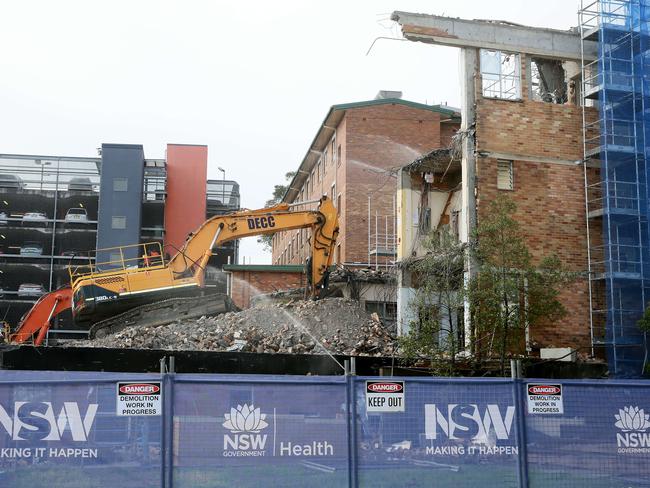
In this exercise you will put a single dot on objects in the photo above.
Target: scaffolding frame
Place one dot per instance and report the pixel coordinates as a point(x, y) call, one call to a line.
point(616, 176)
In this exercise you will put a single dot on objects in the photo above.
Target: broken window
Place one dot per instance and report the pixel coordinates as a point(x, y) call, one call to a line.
point(548, 81)
point(501, 75)
point(505, 177)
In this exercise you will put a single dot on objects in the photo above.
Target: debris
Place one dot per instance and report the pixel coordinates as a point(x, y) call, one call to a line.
point(298, 326)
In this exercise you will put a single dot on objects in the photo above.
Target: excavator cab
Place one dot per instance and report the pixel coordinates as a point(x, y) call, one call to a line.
point(117, 279)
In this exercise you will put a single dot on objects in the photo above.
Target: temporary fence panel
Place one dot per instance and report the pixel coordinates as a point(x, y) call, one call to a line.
point(248, 431)
point(62, 430)
point(601, 440)
point(452, 432)
point(103, 430)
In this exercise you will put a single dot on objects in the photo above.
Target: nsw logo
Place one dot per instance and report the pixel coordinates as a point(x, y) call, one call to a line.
point(245, 424)
point(44, 421)
point(633, 423)
point(470, 421)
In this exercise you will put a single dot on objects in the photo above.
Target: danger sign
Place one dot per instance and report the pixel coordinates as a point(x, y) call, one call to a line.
point(384, 396)
point(139, 399)
point(545, 399)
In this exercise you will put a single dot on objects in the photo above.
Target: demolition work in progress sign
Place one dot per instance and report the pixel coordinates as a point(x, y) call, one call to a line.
point(545, 399)
point(139, 399)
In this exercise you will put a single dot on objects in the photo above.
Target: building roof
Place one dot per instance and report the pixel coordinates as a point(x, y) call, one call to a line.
point(331, 122)
point(443, 160)
point(495, 34)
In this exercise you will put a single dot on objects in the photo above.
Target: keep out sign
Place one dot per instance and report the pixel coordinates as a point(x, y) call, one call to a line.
point(384, 396)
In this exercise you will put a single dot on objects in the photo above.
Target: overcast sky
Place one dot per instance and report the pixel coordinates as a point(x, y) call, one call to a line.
point(251, 79)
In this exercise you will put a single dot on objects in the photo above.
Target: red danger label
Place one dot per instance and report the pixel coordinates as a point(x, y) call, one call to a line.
point(386, 387)
point(139, 388)
point(544, 390)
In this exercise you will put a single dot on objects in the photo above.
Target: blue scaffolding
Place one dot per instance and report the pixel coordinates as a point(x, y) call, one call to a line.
point(615, 84)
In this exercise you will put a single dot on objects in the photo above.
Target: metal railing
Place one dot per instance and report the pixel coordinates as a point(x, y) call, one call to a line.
point(133, 257)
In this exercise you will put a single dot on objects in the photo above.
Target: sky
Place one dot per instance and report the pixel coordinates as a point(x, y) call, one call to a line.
point(252, 79)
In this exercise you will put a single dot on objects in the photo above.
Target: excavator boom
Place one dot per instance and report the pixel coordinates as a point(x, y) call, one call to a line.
point(36, 322)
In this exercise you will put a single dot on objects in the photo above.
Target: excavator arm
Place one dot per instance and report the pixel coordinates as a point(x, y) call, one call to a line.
point(35, 323)
point(196, 252)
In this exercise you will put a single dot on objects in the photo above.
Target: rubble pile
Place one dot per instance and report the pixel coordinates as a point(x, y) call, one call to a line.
point(337, 325)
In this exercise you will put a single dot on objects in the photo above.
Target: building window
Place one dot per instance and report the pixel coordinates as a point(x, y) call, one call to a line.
point(333, 192)
point(338, 156)
point(120, 184)
point(548, 81)
point(387, 311)
point(307, 188)
point(338, 253)
point(338, 204)
point(318, 169)
point(501, 75)
point(505, 175)
point(333, 149)
point(119, 222)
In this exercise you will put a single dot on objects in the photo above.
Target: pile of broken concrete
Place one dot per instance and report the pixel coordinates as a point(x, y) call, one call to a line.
point(335, 325)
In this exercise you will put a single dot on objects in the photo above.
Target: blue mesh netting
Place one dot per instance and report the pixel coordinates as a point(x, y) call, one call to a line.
point(621, 87)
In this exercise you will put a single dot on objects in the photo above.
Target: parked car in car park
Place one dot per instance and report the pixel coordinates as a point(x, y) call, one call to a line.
point(31, 249)
point(4, 218)
point(30, 290)
point(11, 181)
point(80, 184)
point(76, 215)
point(34, 218)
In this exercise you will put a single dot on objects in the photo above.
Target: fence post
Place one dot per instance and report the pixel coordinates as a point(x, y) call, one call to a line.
point(353, 409)
point(168, 430)
point(520, 408)
point(348, 419)
point(351, 413)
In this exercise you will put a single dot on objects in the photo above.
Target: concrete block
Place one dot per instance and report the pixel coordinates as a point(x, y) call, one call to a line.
point(560, 353)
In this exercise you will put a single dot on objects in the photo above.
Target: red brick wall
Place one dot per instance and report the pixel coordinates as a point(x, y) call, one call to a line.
point(374, 140)
point(549, 196)
point(247, 284)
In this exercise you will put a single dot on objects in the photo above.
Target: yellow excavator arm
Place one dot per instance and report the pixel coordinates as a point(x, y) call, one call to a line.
point(198, 247)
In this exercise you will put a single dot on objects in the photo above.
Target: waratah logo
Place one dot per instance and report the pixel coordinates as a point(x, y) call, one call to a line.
point(245, 419)
point(631, 419)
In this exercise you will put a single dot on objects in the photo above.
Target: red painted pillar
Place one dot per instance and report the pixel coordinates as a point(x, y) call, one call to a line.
point(185, 206)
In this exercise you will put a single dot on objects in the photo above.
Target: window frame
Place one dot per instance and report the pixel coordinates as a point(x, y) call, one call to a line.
point(511, 174)
point(501, 77)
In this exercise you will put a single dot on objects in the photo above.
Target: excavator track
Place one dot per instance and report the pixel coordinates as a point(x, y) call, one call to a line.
point(163, 312)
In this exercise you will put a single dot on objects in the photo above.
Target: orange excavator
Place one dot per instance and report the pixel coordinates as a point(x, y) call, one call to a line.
point(137, 285)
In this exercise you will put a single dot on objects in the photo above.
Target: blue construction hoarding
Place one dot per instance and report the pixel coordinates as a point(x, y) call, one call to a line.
point(129, 430)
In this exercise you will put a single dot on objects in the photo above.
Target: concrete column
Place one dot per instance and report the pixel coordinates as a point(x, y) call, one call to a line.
point(469, 71)
point(404, 244)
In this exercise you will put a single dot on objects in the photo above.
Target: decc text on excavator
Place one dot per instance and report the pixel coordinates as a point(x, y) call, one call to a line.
point(137, 285)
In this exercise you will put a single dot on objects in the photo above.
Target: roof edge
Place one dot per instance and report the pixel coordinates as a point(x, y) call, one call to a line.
point(361, 104)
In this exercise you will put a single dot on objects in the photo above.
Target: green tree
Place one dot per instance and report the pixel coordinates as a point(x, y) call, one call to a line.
point(278, 193)
point(509, 292)
point(439, 294)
